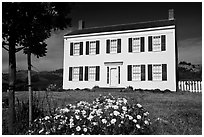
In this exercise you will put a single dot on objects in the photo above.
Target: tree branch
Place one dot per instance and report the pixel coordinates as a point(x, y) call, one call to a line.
point(19, 49)
point(5, 48)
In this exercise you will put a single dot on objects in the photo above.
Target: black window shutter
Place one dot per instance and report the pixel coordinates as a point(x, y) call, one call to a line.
point(70, 73)
point(163, 42)
point(97, 73)
point(107, 75)
point(97, 47)
point(150, 43)
point(118, 74)
point(86, 73)
point(129, 72)
point(108, 46)
point(142, 44)
point(150, 72)
point(80, 73)
point(87, 48)
point(81, 48)
point(142, 72)
point(71, 49)
point(119, 46)
point(130, 45)
point(164, 72)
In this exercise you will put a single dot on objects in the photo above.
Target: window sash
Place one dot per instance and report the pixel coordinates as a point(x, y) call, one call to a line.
point(113, 46)
point(92, 73)
point(156, 43)
point(75, 74)
point(157, 72)
point(92, 47)
point(76, 48)
point(136, 44)
point(136, 72)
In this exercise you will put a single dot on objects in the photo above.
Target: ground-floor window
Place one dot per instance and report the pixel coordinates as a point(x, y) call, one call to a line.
point(136, 72)
point(92, 73)
point(157, 72)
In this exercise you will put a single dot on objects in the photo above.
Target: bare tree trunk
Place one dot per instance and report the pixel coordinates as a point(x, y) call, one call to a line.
point(29, 86)
point(12, 80)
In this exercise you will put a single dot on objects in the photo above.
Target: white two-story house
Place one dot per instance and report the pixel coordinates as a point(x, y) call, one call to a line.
point(142, 55)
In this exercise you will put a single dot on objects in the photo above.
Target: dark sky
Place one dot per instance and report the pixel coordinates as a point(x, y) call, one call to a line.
point(189, 28)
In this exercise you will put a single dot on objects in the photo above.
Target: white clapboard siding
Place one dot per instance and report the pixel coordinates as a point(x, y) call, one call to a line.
point(192, 86)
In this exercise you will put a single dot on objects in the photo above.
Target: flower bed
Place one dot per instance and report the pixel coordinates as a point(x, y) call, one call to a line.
point(106, 115)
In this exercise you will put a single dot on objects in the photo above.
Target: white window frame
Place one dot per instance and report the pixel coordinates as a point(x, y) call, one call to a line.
point(76, 49)
point(157, 72)
point(156, 43)
point(92, 47)
point(136, 72)
point(92, 73)
point(136, 44)
point(113, 45)
point(75, 73)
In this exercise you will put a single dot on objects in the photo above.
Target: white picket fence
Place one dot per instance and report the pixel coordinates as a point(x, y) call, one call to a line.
point(192, 86)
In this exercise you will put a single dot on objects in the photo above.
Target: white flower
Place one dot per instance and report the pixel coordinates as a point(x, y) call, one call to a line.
point(104, 121)
point(78, 128)
point(124, 100)
point(146, 122)
point(95, 123)
point(116, 113)
point(41, 130)
point(122, 122)
point(77, 116)
point(130, 117)
point(113, 121)
point(83, 112)
point(146, 113)
point(139, 106)
point(124, 108)
point(139, 117)
point(47, 117)
point(134, 120)
point(115, 106)
point(77, 111)
point(85, 129)
point(138, 126)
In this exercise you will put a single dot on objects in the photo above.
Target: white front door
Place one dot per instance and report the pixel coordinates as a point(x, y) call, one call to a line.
point(113, 77)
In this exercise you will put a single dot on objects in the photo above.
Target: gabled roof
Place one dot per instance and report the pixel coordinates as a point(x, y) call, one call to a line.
point(123, 27)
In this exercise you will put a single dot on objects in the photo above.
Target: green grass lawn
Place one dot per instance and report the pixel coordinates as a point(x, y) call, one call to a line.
point(171, 113)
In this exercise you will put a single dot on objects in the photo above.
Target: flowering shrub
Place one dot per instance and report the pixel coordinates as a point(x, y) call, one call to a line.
point(106, 115)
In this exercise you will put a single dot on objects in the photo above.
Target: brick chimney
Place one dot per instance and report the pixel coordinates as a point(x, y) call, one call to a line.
point(81, 25)
point(171, 14)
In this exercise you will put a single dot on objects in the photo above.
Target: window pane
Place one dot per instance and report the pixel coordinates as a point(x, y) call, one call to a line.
point(157, 72)
point(113, 46)
point(92, 47)
point(156, 43)
point(92, 73)
point(136, 72)
point(76, 48)
point(76, 73)
point(136, 45)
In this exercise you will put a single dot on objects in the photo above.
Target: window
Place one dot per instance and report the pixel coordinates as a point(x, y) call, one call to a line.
point(156, 41)
point(113, 46)
point(92, 48)
point(76, 48)
point(157, 72)
point(75, 73)
point(136, 72)
point(92, 73)
point(136, 44)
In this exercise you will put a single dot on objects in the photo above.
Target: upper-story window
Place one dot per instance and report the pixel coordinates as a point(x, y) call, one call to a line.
point(76, 48)
point(136, 44)
point(92, 47)
point(157, 43)
point(113, 46)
